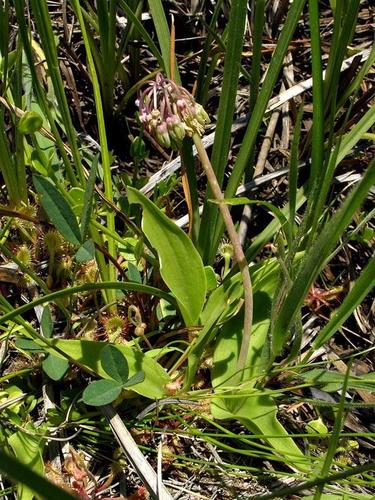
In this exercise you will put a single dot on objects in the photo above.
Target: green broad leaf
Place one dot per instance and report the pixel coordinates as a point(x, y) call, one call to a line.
point(23, 474)
point(86, 252)
point(114, 364)
point(257, 412)
point(55, 367)
point(210, 278)
point(40, 162)
point(135, 379)
point(27, 450)
point(58, 210)
point(101, 392)
point(46, 323)
point(181, 266)
point(133, 273)
point(28, 345)
point(88, 354)
point(264, 279)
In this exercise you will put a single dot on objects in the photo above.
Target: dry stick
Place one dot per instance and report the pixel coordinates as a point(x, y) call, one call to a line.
point(237, 249)
point(144, 470)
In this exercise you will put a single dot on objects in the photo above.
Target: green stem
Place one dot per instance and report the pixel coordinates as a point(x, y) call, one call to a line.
point(238, 253)
point(106, 164)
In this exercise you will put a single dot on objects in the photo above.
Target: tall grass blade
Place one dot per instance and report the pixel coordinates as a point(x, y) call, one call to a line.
point(344, 24)
point(317, 152)
point(6, 164)
point(256, 119)
point(225, 113)
point(43, 20)
point(258, 27)
point(39, 91)
point(334, 440)
point(106, 164)
point(293, 170)
point(164, 37)
point(316, 258)
point(203, 79)
point(143, 33)
point(363, 286)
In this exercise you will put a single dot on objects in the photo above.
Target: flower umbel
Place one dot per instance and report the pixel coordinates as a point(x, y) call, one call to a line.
point(169, 112)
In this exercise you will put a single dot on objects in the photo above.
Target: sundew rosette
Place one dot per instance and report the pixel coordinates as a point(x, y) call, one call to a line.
point(169, 112)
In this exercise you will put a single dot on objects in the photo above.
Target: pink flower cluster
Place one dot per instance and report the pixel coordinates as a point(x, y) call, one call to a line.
point(169, 112)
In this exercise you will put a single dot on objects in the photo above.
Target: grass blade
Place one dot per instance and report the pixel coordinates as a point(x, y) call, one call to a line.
point(43, 20)
point(363, 286)
point(143, 33)
point(106, 164)
point(317, 152)
point(164, 37)
point(23, 474)
point(225, 113)
point(334, 440)
point(256, 119)
point(39, 91)
point(257, 51)
point(317, 256)
point(87, 201)
point(293, 170)
point(203, 73)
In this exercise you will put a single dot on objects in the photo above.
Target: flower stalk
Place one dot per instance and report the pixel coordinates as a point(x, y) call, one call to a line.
point(169, 113)
point(237, 251)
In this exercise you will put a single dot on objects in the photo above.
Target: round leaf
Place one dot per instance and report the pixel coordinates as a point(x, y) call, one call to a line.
point(55, 367)
point(114, 363)
point(101, 392)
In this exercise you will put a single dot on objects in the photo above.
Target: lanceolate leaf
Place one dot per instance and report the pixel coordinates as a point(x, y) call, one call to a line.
point(58, 210)
point(257, 413)
point(181, 266)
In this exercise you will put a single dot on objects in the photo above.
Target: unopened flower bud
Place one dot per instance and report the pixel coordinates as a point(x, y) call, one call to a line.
point(201, 115)
point(175, 128)
point(181, 104)
point(162, 135)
